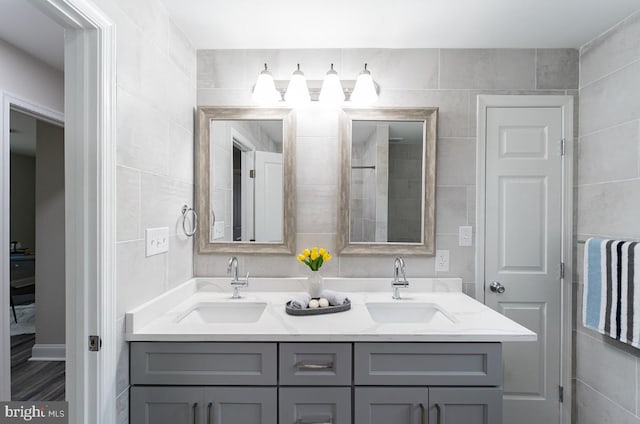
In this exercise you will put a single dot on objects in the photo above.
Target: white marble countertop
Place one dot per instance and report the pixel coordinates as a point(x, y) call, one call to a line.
point(463, 319)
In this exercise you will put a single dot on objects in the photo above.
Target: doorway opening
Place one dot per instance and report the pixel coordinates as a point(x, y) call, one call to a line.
point(37, 258)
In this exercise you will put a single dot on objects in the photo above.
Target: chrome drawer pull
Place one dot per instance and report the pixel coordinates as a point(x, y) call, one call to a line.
point(314, 421)
point(423, 413)
point(209, 406)
point(314, 366)
point(195, 410)
point(440, 413)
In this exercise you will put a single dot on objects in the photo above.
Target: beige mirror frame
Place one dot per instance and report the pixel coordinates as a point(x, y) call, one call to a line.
point(429, 117)
point(205, 115)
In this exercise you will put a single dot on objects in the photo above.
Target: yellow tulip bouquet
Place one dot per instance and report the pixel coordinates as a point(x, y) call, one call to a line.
point(314, 258)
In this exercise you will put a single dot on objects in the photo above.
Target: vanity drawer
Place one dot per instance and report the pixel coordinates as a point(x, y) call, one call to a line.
point(315, 364)
point(424, 364)
point(239, 364)
point(314, 405)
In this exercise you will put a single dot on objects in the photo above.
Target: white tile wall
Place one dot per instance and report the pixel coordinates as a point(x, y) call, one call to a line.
point(156, 96)
point(608, 200)
point(448, 79)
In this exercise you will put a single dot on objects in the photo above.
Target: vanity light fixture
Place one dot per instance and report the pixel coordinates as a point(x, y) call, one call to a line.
point(297, 91)
point(364, 92)
point(331, 91)
point(264, 92)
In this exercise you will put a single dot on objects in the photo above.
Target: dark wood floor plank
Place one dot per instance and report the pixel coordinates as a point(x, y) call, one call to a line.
point(37, 380)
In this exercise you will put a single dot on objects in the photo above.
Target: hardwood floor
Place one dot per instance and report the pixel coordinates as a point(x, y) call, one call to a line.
point(41, 381)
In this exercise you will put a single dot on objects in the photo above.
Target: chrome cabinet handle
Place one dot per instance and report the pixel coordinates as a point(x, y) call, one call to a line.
point(314, 421)
point(195, 410)
point(307, 366)
point(496, 287)
point(439, 414)
point(209, 406)
point(423, 413)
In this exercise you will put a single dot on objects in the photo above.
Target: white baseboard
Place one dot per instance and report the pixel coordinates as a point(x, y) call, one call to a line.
point(48, 352)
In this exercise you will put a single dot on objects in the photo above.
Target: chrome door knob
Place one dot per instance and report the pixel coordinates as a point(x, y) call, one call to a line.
point(496, 287)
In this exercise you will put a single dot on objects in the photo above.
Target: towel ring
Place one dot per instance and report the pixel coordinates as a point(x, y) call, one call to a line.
point(185, 211)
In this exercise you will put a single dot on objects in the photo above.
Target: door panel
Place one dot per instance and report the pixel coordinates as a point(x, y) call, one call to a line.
point(166, 405)
point(523, 228)
point(246, 405)
point(397, 405)
point(268, 197)
point(459, 405)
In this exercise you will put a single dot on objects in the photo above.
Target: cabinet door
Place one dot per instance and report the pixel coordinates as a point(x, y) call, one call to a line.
point(397, 405)
point(454, 405)
point(315, 405)
point(246, 405)
point(166, 405)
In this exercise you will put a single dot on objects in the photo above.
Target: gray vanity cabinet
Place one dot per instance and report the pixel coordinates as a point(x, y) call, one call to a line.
point(313, 383)
point(384, 405)
point(315, 405)
point(246, 405)
point(166, 405)
point(458, 405)
point(200, 405)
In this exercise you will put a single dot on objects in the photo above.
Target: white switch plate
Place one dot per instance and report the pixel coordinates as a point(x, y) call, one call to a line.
point(218, 230)
point(465, 236)
point(442, 261)
point(157, 240)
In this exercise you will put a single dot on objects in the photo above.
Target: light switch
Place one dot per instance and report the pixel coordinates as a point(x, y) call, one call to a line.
point(218, 230)
point(157, 240)
point(465, 236)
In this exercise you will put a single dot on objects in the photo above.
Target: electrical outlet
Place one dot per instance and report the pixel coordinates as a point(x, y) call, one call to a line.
point(442, 261)
point(465, 236)
point(157, 240)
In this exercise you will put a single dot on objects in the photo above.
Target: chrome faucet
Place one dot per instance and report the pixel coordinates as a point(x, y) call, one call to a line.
point(236, 283)
point(396, 284)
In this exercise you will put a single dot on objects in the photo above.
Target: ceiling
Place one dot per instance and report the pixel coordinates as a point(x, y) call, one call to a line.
point(30, 30)
point(281, 24)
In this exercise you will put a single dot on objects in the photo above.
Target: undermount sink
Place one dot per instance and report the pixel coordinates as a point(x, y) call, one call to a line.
point(223, 313)
point(413, 313)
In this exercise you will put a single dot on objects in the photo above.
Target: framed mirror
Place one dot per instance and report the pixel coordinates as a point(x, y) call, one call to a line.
point(387, 181)
point(245, 180)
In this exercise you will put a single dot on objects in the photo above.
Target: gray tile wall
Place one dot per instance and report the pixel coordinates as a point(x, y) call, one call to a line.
point(156, 95)
point(607, 384)
point(446, 78)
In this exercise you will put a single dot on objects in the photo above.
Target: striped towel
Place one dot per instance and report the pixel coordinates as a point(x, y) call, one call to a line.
point(611, 297)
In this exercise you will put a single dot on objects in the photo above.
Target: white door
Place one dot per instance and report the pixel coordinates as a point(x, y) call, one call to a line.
point(523, 252)
point(268, 197)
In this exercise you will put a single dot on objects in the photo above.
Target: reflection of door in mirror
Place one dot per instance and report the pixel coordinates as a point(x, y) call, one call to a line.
point(246, 188)
point(386, 181)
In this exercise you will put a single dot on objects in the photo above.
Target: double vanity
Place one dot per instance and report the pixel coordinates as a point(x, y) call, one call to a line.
point(434, 356)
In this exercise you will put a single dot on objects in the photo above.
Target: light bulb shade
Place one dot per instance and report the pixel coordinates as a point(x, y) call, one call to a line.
point(297, 91)
point(265, 91)
point(331, 91)
point(364, 93)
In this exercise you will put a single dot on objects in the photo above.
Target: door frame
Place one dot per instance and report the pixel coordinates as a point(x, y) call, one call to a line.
point(90, 76)
point(565, 104)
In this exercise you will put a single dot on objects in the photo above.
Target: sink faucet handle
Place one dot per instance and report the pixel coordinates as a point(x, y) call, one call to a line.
point(246, 280)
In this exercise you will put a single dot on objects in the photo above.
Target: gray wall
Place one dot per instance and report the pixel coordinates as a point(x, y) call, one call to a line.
point(446, 78)
point(608, 189)
point(50, 237)
point(156, 80)
point(23, 200)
